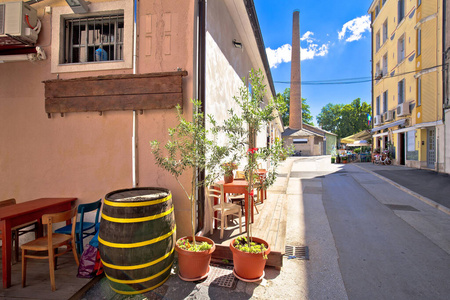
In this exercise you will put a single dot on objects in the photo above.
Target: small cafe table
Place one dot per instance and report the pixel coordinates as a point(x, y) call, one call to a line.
point(21, 213)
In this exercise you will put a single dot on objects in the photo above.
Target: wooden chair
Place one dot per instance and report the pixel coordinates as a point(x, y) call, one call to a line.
point(83, 229)
point(240, 198)
point(21, 229)
point(215, 194)
point(51, 243)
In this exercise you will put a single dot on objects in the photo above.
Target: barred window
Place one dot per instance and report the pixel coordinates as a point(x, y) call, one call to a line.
point(94, 38)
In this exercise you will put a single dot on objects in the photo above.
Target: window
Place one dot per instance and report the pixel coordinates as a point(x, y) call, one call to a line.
point(419, 41)
point(385, 31)
point(377, 10)
point(385, 101)
point(383, 2)
point(419, 91)
point(377, 71)
point(401, 49)
point(300, 141)
point(378, 105)
point(401, 91)
point(377, 41)
point(94, 39)
point(401, 10)
point(419, 2)
point(73, 34)
point(385, 64)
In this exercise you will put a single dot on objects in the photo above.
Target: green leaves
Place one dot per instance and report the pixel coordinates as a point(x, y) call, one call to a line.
point(345, 120)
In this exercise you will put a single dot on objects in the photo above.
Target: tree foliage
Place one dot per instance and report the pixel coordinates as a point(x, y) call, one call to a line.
point(283, 100)
point(345, 120)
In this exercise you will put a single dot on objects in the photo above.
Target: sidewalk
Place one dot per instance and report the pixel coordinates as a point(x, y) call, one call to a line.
point(431, 187)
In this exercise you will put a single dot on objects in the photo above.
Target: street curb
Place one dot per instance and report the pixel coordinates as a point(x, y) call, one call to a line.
point(412, 193)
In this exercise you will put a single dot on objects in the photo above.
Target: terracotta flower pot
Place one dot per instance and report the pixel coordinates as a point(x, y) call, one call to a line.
point(228, 178)
point(194, 266)
point(249, 266)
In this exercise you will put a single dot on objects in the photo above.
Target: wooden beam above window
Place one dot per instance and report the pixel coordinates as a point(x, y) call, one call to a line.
point(115, 92)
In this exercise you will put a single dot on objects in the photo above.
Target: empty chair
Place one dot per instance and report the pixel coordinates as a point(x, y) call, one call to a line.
point(20, 229)
point(83, 228)
point(51, 243)
point(215, 194)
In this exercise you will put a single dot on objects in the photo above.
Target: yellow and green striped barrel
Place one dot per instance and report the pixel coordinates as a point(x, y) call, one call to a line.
point(137, 238)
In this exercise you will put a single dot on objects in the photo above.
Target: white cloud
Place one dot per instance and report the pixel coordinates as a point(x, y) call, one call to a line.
point(283, 53)
point(355, 28)
point(308, 37)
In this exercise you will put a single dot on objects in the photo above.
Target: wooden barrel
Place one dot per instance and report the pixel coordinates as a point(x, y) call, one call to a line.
point(137, 239)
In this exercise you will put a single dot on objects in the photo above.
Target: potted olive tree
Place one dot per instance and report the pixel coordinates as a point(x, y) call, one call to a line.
point(184, 151)
point(250, 253)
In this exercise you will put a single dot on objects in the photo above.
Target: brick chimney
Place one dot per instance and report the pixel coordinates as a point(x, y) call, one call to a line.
point(295, 111)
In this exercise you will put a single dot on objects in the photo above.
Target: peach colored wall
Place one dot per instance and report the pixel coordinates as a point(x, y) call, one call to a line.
point(86, 155)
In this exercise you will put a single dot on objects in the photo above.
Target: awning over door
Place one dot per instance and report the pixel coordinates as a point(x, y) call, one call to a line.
point(396, 123)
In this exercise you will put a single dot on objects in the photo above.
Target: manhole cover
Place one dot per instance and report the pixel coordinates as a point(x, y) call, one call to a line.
point(297, 252)
point(401, 207)
point(220, 275)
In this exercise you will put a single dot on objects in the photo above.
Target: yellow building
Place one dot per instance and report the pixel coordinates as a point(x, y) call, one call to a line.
point(407, 93)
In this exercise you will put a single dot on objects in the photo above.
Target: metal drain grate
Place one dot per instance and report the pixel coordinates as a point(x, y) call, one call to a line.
point(401, 207)
point(220, 275)
point(297, 252)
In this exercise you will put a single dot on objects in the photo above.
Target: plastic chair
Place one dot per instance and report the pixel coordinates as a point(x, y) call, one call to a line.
point(83, 229)
point(21, 229)
point(51, 243)
point(215, 194)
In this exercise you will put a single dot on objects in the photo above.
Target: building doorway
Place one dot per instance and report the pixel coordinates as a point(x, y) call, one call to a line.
point(431, 148)
point(401, 149)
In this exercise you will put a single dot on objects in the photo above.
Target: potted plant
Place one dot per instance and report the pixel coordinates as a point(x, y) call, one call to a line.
point(186, 150)
point(228, 169)
point(255, 114)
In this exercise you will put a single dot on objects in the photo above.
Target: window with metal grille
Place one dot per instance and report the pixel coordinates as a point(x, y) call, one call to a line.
point(94, 38)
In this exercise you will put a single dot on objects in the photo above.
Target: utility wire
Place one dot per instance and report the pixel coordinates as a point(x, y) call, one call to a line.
point(356, 80)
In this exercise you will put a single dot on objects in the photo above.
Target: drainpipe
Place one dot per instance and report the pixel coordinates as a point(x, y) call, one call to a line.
point(201, 90)
point(371, 75)
point(444, 76)
point(133, 138)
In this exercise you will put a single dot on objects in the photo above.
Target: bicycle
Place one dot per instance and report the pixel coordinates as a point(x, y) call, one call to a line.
point(383, 158)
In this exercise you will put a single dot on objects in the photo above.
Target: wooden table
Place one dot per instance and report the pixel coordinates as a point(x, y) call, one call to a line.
point(238, 186)
point(22, 213)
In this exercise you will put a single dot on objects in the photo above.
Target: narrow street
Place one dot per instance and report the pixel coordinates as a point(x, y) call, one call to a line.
point(367, 238)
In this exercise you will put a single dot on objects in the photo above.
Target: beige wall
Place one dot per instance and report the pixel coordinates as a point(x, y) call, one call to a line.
point(86, 155)
point(225, 64)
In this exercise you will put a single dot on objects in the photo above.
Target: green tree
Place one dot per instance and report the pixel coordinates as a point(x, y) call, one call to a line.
point(345, 120)
point(283, 100)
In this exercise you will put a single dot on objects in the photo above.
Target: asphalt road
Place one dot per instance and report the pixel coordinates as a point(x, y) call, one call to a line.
point(383, 252)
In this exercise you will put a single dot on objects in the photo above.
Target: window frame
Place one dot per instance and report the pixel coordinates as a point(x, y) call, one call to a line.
point(377, 41)
point(86, 40)
point(419, 41)
point(401, 91)
point(419, 91)
point(377, 103)
point(59, 13)
point(385, 64)
point(400, 11)
point(385, 31)
point(401, 40)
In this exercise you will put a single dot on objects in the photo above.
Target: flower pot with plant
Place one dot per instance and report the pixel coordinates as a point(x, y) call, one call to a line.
point(186, 150)
point(228, 169)
point(255, 114)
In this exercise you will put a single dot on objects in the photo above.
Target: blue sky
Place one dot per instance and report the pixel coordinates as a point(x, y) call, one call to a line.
point(335, 42)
